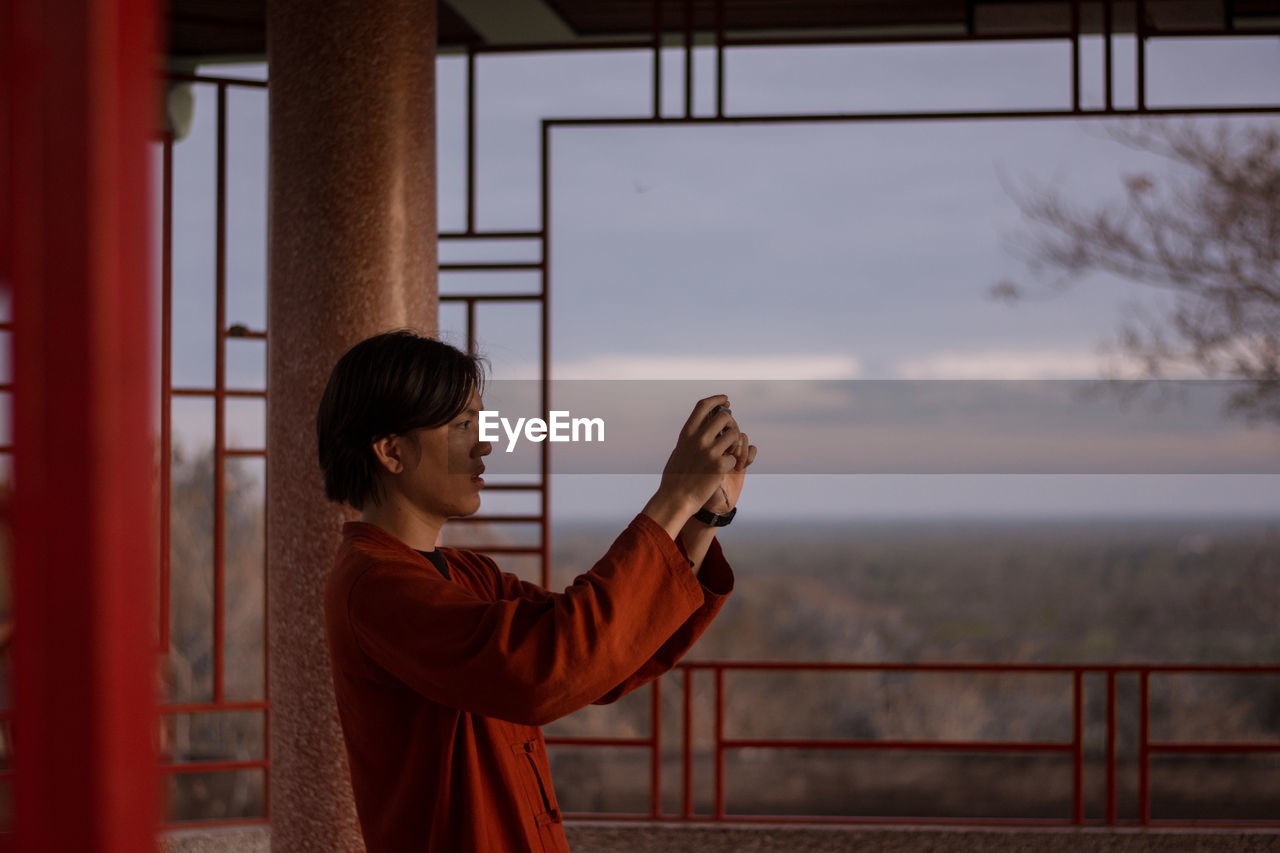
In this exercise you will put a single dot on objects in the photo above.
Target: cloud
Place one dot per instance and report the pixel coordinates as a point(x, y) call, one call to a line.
point(1022, 364)
point(797, 366)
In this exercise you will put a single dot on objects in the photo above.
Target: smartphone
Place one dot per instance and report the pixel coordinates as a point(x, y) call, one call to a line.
point(717, 410)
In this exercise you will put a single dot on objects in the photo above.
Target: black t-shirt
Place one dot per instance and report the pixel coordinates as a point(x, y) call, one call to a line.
point(437, 560)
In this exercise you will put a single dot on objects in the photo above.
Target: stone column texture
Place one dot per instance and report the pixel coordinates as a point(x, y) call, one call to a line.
point(352, 253)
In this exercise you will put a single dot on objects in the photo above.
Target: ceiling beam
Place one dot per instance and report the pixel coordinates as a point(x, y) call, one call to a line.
point(514, 21)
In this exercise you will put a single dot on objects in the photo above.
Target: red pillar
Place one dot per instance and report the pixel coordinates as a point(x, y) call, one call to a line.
point(353, 252)
point(79, 99)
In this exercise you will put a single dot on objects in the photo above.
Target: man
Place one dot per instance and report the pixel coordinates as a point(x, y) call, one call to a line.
point(444, 667)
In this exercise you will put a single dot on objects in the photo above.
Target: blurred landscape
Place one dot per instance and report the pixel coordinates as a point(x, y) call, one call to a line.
point(1179, 590)
point(1081, 590)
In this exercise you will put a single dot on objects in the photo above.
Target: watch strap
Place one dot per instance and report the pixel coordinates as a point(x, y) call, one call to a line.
point(715, 519)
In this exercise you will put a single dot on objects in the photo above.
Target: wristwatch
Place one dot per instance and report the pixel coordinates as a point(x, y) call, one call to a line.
point(715, 519)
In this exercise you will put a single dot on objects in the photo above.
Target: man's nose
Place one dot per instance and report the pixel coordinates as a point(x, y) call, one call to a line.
point(482, 448)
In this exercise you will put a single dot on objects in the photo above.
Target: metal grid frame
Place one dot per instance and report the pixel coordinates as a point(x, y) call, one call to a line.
point(218, 394)
point(723, 42)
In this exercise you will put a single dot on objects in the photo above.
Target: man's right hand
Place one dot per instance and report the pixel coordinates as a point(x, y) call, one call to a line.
point(702, 456)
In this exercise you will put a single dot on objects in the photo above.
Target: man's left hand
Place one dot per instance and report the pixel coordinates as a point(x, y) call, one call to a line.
point(726, 497)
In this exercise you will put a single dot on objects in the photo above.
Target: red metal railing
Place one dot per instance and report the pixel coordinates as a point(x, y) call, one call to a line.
point(1074, 746)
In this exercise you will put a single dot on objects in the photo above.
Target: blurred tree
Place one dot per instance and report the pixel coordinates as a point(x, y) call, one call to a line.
point(187, 670)
point(1207, 231)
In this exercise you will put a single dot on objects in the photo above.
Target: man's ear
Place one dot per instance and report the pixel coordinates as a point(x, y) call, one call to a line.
point(387, 450)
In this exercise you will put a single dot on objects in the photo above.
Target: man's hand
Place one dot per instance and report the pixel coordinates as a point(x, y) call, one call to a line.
point(726, 497)
point(695, 537)
point(703, 455)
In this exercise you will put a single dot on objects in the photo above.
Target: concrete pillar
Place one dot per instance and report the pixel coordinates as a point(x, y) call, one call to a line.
point(352, 253)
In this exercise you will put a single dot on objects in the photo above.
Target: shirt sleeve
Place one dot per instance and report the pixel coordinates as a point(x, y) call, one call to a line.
point(530, 658)
point(716, 579)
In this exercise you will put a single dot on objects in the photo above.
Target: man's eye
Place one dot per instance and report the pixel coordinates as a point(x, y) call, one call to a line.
point(464, 425)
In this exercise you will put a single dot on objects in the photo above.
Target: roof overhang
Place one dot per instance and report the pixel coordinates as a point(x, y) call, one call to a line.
point(202, 31)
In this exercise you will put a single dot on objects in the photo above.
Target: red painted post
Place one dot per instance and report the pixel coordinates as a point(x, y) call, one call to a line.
point(1144, 746)
point(82, 99)
point(1077, 746)
point(1075, 56)
point(655, 755)
point(718, 811)
point(1111, 748)
point(220, 403)
point(7, 20)
point(719, 58)
point(471, 147)
point(1140, 32)
point(471, 326)
point(657, 62)
point(1108, 59)
point(688, 58)
point(686, 745)
point(544, 348)
point(166, 381)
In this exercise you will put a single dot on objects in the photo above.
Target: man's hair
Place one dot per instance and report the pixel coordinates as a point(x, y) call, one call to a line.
point(387, 385)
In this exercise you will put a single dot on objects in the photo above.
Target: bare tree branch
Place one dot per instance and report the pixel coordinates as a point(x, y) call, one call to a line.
point(1208, 233)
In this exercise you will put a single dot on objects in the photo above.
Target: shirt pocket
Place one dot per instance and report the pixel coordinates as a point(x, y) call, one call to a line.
point(530, 760)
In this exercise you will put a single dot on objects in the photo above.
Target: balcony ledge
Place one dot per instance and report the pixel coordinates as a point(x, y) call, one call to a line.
point(652, 837)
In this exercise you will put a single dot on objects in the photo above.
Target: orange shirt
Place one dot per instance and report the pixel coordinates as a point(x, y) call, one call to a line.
point(442, 684)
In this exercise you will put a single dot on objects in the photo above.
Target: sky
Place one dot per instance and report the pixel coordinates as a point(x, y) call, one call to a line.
point(847, 252)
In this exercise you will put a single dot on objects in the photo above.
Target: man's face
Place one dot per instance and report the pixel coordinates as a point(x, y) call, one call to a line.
point(445, 481)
